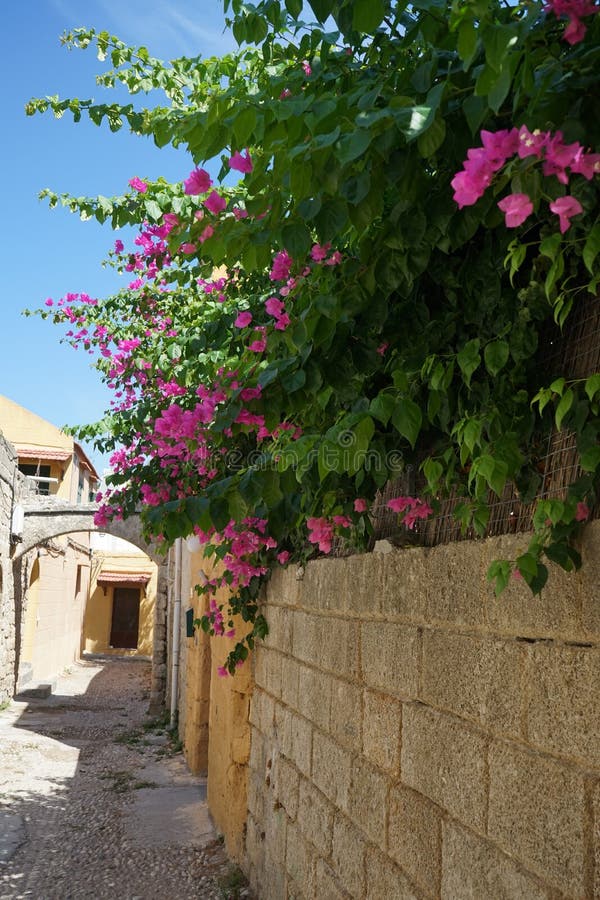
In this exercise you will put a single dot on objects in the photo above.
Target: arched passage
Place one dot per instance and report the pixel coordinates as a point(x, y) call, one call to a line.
point(45, 520)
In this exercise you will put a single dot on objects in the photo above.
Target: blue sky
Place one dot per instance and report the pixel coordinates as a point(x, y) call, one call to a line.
point(49, 252)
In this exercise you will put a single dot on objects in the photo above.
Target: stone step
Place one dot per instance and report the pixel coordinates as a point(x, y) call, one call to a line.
point(39, 691)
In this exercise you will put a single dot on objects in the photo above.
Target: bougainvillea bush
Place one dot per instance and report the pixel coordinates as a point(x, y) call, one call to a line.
point(406, 200)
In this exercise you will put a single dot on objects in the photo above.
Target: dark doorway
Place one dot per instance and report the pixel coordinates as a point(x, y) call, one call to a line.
point(125, 618)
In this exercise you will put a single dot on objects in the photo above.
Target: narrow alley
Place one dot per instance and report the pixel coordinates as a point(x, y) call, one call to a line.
point(97, 802)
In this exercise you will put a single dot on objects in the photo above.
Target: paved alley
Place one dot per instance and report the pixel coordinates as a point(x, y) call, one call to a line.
point(95, 802)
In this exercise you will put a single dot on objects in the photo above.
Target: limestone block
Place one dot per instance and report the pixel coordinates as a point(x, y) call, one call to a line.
point(368, 800)
point(445, 761)
point(414, 838)
point(314, 696)
point(536, 813)
point(331, 769)
point(346, 714)
point(348, 856)
point(326, 584)
point(589, 577)
point(476, 678)
point(385, 881)
point(338, 646)
point(273, 672)
point(563, 710)
point(404, 584)
point(256, 796)
point(595, 839)
point(306, 637)
point(297, 743)
point(300, 861)
point(390, 658)
point(290, 671)
point(381, 730)
point(283, 586)
point(363, 585)
point(474, 868)
point(279, 620)
point(286, 783)
point(255, 849)
point(556, 613)
point(315, 817)
point(326, 885)
point(454, 578)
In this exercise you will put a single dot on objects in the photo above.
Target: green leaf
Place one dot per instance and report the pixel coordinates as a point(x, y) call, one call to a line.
point(592, 385)
point(296, 238)
point(153, 209)
point(496, 356)
point(467, 42)
point(367, 15)
point(432, 139)
point(321, 8)
point(565, 404)
point(407, 419)
point(592, 248)
point(382, 406)
point(590, 459)
point(499, 571)
point(353, 145)
point(294, 7)
point(469, 359)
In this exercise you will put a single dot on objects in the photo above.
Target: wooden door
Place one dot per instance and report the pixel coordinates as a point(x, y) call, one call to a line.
point(125, 618)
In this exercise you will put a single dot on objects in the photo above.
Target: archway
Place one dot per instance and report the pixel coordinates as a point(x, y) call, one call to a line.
point(47, 520)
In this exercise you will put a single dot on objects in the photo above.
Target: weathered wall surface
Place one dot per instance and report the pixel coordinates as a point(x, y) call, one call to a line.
point(8, 463)
point(413, 736)
point(214, 713)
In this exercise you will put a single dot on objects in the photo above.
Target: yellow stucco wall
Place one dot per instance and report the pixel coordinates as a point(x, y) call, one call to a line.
point(55, 601)
point(216, 730)
point(98, 612)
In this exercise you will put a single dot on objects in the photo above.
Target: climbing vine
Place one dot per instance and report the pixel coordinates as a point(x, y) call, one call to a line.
point(407, 198)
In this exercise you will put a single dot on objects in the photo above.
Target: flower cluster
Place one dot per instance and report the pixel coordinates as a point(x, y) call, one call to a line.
point(412, 507)
point(575, 11)
point(558, 159)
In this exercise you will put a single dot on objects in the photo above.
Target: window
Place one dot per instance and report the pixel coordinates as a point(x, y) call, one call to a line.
point(37, 471)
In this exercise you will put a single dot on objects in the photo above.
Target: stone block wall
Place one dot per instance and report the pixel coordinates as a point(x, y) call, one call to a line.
point(413, 736)
point(9, 481)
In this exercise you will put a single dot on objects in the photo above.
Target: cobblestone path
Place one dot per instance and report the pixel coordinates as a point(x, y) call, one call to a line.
point(96, 801)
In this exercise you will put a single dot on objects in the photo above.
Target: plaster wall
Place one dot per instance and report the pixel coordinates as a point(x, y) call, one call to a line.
point(98, 611)
point(413, 736)
point(54, 603)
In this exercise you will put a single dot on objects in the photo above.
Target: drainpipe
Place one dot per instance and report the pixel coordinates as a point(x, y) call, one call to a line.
point(176, 629)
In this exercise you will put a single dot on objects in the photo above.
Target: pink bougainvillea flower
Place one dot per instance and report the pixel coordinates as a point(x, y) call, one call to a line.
point(531, 143)
point(197, 182)
point(222, 672)
point(188, 248)
point(215, 203)
point(241, 163)
point(516, 208)
point(320, 251)
point(285, 94)
point(274, 307)
point(283, 557)
point(574, 10)
point(420, 510)
point(335, 259)
point(306, 67)
point(586, 164)
point(243, 320)
point(206, 234)
point(240, 213)
point(258, 346)
point(342, 521)
point(565, 208)
point(49, 302)
point(282, 263)
point(517, 575)
point(282, 322)
point(119, 246)
point(320, 532)
point(138, 185)
point(499, 145)
point(583, 512)
point(382, 348)
point(400, 504)
point(360, 505)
